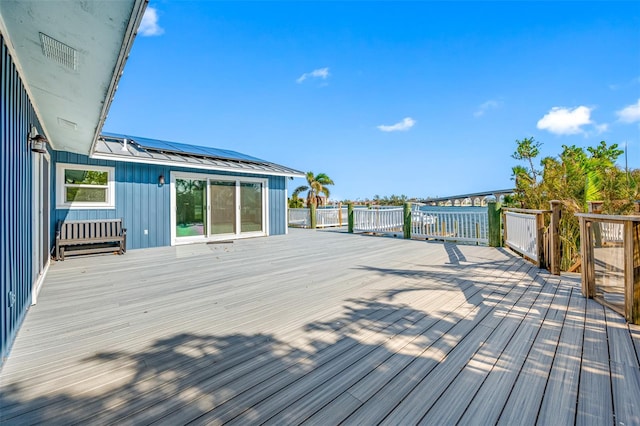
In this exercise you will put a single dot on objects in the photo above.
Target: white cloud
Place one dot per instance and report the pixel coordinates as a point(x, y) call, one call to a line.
point(402, 126)
point(149, 25)
point(601, 128)
point(490, 104)
point(322, 73)
point(630, 114)
point(566, 121)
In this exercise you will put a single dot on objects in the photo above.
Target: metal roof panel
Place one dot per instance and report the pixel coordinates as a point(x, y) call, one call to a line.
point(145, 150)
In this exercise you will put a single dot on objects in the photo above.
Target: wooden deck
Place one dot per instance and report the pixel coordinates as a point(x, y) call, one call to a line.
point(319, 327)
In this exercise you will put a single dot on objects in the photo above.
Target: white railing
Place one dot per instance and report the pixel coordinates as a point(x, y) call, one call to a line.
point(522, 233)
point(299, 217)
point(378, 220)
point(324, 217)
point(331, 217)
point(611, 233)
point(463, 226)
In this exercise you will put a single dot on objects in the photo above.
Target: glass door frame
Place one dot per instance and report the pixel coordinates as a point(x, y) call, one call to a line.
point(41, 222)
point(217, 237)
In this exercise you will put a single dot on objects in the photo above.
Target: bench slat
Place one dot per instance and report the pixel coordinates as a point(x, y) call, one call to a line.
point(77, 241)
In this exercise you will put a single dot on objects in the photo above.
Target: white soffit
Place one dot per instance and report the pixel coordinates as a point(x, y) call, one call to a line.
point(70, 55)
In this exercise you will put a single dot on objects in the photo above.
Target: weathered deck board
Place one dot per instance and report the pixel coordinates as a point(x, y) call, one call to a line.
point(448, 347)
point(523, 404)
point(440, 386)
point(379, 353)
point(561, 394)
point(625, 380)
point(308, 403)
point(453, 402)
point(295, 413)
point(595, 402)
point(491, 397)
point(317, 327)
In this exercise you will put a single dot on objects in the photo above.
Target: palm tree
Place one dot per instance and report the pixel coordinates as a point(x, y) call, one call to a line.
point(317, 184)
point(295, 202)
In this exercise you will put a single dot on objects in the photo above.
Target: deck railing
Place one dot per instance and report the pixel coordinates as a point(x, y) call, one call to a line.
point(299, 218)
point(331, 217)
point(325, 217)
point(523, 232)
point(463, 226)
point(529, 233)
point(378, 220)
point(610, 249)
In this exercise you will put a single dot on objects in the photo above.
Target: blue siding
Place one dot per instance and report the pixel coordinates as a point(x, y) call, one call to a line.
point(16, 263)
point(145, 205)
point(277, 205)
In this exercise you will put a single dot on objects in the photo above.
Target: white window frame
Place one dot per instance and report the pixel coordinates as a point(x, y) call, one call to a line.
point(61, 202)
point(229, 178)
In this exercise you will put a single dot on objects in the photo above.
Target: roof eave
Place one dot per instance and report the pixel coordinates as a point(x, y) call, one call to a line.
point(129, 37)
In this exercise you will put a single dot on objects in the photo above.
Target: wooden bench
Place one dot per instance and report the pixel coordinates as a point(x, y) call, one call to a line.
point(90, 236)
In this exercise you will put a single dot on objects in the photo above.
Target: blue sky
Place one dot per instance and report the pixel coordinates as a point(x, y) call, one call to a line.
point(415, 98)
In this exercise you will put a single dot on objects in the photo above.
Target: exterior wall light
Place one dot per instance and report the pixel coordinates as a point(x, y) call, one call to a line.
point(161, 180)
point(37, 142)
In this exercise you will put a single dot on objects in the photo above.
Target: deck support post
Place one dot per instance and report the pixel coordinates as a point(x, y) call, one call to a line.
point(495, 219)
point(406, 214)
point(350, 217)
point(314, 217)
point(555, 254)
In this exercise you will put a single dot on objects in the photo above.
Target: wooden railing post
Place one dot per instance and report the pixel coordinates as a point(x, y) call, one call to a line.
point(407, 221)
point(495, 237)
point(554, 238)
point(632, 271)
point(312, 214)
point(505, 227)
point(587, 267)
point(340, 214)
point(350, 217)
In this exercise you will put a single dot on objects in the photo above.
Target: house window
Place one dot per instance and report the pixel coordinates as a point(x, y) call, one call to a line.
point(82, 186)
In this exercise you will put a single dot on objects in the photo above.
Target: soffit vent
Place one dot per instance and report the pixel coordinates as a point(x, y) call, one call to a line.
point(59, 52)
point(68, 124)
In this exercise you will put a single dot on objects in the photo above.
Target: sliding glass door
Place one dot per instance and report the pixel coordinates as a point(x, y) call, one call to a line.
point(217, 207)
point(250, 207)
point(191, 203)
point(223, 207)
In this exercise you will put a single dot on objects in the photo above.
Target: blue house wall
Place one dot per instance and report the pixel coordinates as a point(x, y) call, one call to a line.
point(16, 262)
point(143, 204)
